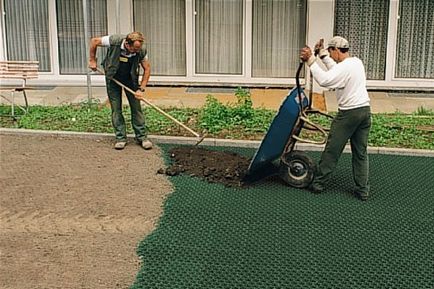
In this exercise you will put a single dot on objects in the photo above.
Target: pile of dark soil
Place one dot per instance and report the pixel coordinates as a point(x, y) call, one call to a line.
point(223, 167)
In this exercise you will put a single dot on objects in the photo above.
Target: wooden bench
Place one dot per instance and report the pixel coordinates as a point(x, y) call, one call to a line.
point(21, 71)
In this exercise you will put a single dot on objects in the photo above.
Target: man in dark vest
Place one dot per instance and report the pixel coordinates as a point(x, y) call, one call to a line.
point(124, 55)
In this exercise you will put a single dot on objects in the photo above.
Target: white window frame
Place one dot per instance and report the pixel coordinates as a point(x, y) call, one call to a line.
point(43, 75)
point(244, 79)
point(54, 77)
point(320, 21)
point(193, 40)
point(392, 41)
point(2, 32)
point(321, 24)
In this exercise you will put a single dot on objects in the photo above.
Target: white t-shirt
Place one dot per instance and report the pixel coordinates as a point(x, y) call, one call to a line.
point(348, 78)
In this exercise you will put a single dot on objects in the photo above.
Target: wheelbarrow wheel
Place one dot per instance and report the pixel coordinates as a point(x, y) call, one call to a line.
point(297, 169)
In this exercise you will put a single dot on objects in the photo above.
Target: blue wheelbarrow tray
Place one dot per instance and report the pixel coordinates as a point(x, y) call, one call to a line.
point(277, 137)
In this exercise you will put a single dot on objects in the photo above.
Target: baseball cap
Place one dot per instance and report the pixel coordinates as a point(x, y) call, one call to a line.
point(338, 42)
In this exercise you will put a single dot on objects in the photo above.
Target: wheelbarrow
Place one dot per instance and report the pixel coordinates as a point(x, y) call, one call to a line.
point(276, 154)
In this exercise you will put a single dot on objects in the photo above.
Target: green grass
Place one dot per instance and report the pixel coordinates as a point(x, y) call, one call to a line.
point(232, 121)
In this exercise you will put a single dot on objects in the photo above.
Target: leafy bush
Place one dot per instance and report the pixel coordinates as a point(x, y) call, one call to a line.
point(216, 117)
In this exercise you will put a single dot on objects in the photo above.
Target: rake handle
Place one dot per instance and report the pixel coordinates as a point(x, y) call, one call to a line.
point(152, 105)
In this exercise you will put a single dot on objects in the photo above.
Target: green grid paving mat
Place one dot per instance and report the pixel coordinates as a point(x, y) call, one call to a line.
point(274, 236)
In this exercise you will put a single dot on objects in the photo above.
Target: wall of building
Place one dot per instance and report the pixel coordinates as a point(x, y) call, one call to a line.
point(320, 24)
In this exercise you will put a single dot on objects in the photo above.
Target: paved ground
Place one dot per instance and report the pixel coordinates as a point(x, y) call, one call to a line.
point(195, 97)
point(72, 211)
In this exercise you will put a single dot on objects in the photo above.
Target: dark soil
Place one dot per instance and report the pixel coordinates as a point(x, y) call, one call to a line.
point(223, 167)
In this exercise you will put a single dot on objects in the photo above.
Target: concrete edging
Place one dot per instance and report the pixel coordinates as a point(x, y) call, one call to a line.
point(212, 141)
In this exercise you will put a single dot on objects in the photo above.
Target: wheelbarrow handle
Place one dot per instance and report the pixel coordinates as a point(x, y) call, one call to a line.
point(297, 83)
point(317, 127)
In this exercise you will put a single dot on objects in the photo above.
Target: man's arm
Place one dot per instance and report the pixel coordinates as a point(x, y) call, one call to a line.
point(323, 54)
point(328, 61)
point(94, 43)
point(333, 78)
point(147, 72)
point(147, 68)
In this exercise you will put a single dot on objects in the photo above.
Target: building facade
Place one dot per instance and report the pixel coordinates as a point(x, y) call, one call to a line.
point(224, 42)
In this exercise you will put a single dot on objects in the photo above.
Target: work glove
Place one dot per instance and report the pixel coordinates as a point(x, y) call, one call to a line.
point(319, 49)
point(323, 53)
point(307, 56)
point(318, 46)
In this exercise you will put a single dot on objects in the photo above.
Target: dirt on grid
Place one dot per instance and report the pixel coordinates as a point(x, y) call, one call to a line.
point(223, 167)
point(73, 210)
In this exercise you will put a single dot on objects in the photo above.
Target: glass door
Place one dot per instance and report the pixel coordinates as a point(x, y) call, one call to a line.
point(218, 36)
point(27, 36)
point(163, 24)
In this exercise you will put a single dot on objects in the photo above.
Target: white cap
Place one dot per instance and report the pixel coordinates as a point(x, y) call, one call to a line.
point(338, 42)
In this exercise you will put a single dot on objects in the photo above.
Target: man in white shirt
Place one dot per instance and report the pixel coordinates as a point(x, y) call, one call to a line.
point(347, 76)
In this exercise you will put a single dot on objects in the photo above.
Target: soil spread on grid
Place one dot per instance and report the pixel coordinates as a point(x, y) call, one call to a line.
point(227, 168)
point(73, 210)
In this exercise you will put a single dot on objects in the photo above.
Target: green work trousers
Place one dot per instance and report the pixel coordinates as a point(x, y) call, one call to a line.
point(353, 125)
point(114, 92)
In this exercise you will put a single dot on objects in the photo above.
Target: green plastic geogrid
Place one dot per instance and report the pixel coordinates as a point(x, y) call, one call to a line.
point(274, 236)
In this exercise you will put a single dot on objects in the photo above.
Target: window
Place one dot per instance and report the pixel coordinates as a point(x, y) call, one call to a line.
point(279, 31)
point(415, 44)
point(71, 32)
point(364, 23)
point(27, 38)
point(163, 24)
point(218, 36)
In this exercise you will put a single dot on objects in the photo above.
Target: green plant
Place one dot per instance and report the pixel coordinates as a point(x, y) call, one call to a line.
point(216, 117)
point(401, 130)
point(424, 111)
point(234, 121)
point(244, 107)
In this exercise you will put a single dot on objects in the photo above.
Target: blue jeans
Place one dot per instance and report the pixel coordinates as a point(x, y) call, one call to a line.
point(114, 92)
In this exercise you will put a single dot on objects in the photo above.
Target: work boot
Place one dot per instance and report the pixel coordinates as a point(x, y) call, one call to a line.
point(315, 188)
point(120, 145)
point(146, 144)
point(363, 196)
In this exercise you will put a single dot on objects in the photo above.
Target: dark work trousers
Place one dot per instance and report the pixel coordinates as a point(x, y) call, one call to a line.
point(353, 125)
point(114, 92)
